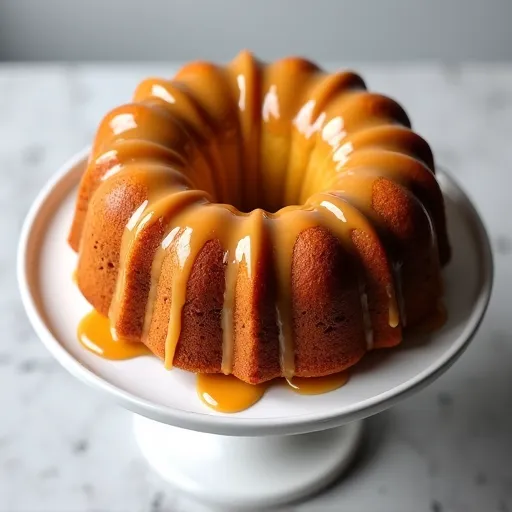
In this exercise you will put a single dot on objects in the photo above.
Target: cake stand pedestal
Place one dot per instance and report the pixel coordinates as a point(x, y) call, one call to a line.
point(249, 471)
point(287, 445)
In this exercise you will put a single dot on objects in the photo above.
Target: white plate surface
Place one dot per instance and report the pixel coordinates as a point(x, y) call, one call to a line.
point(55, 306)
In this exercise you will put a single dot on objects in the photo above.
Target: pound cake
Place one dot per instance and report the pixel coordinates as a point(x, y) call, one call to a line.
point(261, 220)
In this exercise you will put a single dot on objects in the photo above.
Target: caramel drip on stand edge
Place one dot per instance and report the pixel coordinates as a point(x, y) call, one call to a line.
point(94, 334)
point(223, 393)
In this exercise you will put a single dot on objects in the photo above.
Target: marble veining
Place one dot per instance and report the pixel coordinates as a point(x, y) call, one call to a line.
point(65, 449)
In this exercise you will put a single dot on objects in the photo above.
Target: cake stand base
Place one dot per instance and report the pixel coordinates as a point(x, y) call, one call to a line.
point(248, 472)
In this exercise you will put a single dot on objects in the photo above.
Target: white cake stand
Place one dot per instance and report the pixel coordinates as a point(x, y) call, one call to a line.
point(249, 458)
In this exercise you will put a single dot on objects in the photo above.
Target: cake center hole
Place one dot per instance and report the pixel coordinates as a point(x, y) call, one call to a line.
point(267, 193)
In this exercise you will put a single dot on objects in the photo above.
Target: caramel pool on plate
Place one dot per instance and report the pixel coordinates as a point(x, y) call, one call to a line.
point(94, 334)
point(226, 393)
point(318, 385)
point(223, 393)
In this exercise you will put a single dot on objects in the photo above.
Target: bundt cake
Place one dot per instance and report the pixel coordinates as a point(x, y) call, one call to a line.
point(260, 220)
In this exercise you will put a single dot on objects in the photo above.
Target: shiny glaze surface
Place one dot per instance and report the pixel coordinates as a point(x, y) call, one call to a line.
point(225, 393)
point(318, 385)
point(95, 335)
point(292, 145)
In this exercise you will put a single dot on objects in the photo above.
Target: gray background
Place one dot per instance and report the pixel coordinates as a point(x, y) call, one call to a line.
point(64, 448)
point(335, 30)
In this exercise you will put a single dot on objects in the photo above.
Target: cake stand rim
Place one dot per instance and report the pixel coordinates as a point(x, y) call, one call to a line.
point(228, 425)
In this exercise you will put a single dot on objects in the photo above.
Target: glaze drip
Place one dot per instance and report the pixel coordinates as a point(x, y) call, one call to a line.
point(94, 334)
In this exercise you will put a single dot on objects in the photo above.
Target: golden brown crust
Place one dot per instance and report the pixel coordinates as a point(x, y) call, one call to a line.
point(376, 270)
point(420, 271)
point(329, 336)
point(107, 216)
point(200, 345)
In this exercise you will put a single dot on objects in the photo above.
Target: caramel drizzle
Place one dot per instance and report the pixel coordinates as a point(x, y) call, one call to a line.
point(248, 244)
point(291, 122)
point(169, 206)
point(284, 228)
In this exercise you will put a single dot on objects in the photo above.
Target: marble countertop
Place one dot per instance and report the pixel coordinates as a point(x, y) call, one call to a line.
point(63, 448)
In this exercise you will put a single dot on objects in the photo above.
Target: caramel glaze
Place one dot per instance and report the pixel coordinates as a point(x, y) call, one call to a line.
point(199, 151)
point(223, 393)
point(94, 334)
point(318, 385)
